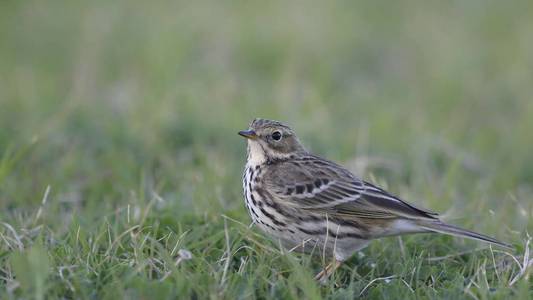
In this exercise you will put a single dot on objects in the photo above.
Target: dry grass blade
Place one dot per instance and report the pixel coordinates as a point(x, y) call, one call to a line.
point(375, 280)
point(524, 267)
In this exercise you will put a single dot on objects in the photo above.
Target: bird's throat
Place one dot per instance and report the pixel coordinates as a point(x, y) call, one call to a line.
point(256, 153)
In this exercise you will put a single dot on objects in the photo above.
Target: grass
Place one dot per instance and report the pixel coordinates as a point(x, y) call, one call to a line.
point(120, 167)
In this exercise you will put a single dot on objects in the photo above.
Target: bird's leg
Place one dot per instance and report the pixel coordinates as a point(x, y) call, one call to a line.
point(323, 276)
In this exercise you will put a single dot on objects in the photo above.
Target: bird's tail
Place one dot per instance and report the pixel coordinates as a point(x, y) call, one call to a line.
point(440, 227)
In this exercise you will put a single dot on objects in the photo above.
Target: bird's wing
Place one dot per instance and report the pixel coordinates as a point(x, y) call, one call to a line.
point(313, 183)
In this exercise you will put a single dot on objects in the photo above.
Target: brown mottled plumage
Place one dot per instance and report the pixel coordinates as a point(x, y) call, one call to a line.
point(308, 202)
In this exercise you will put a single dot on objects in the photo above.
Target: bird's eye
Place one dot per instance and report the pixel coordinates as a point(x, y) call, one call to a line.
point(276, 135)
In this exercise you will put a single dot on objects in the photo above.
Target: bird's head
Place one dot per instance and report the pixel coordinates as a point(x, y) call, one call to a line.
point(270, 141)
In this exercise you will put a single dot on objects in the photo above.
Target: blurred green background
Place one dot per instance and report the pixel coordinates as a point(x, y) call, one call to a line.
point(115, 103)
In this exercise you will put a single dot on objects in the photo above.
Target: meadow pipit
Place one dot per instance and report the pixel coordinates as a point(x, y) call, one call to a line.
point(308, 202)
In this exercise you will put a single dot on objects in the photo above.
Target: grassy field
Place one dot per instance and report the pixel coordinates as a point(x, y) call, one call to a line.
point(120, 166)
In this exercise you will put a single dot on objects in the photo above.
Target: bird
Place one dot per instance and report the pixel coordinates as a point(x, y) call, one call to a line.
point(313, 205)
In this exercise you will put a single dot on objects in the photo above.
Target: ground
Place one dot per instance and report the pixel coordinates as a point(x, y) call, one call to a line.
point(120, 163)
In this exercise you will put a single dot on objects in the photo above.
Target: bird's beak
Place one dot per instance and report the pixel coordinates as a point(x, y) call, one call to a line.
point(249, 134)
